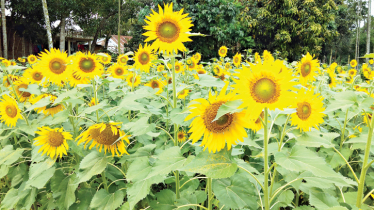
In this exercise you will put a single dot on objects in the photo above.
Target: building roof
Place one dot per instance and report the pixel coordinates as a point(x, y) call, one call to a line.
point(113, 42)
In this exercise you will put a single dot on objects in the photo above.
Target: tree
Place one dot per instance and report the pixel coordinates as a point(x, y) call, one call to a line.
point(3, 19)
point(368, 31)
point(48, 25)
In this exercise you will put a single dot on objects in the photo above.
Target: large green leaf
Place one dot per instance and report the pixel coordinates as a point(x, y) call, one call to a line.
point(92, 164)
point(228, 107)
point(322, 200)
point(214, 165)
point(63, 188)
point(19, 199)
point(84, 196)
point(317, 139)
point(40, 173)
point(235, 192)
point(107, 201)
point(8, 156)
point(206, 80)
point(145, 151)
point(165, 200)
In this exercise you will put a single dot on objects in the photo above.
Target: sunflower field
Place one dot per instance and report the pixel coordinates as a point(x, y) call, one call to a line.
point(160, 129)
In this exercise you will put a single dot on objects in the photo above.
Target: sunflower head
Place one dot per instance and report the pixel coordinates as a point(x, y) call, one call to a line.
point(332, 80)
point(9, 111)
point(133, 80)
point(156, 84)
point(118, 71)
point(181, 136)
point(160, 68)
point(178, 67)
point(48, 109)
point(53, 141)
point(169, 29)
point(11, 79)
point(307, 68)
point(92, 102)
point(222, 52)
point(105, 135)
point(32, 59)
point(197, 56)
point(268, 57)
point(353, 63)
point(122, 59)
point(183, 94)
point(106, 59)
point(87, 65)
point(237, 59)
point(21, 89)
point(6, 63)
point(352, 72)
point(143, 58)
point(371, 61)
point(34, 75)
point(191, 64)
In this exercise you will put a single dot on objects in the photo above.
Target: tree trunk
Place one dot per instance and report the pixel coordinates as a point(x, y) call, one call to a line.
point(368, 32)
point(107, 41)
point(13, 47)
point(30, 47)
point(62, 34)
point(47, 23)
point(1, 49)
point(119, 27)
point(3, 18)
point(101, 25)
point(23, 47)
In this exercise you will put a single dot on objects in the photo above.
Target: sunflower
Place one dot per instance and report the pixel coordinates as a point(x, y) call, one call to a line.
point(34, 75)
point(143, 58)
point(256, 125)
point(133, 81)
point(264, 85)
point(156, 83)
point(32, 59)
point(105, 59)
point(237, 59)
point(227, 66)
point(268, 57)
point(222, 51)
point(257, 58)
point(178, 67)
point(6, 80)
point(23, 95)
point(122, 59)
point(6, 63)
point(371, 61)
point(332, 80)
point(92, 102)
point(201, 71)
point(197, 57)
point(87, 65)
point(54, 65)
point(9, 111)
point(309, 108)
point(13, 63)
point(118, 71)
point(353, 63)
point(53, 141)
point(107, 135)
point(191, 64)
point(227, 129)
point(332, 67)
point(183, 94)
point(196, 76)
point(74, 79)
point(349, 80)
point(368, 115)
point(160, 68)
point(307, 68)
point(352, 72)
point(217, 70)
point(50, 109)
point(169, 29)
point(221, 76)
point(181, 136)
point(339, 69)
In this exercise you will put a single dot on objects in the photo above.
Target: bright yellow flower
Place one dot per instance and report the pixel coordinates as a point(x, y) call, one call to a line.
point(183, 94)
point(237, 59)
point(143, 58)
point(87, 65)
point(49, 109)
point(353, 63)
point(181, 136)
point(23, 95)
point(307, 68)
point(106, 59)
point(32, 59)
point(118, 71)
point(222, 51)
point(53, 141)
point(122, 59)
point(160, 67)
point(9, 111)
point(133, 81)
point(156, 84)
point(197, 57)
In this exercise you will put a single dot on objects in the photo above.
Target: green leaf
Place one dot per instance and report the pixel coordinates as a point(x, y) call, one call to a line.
point(214, 165)
point(41, 103)
point(63, 188)
point(40, 173)
point(92, 164)
point(91, 109)
point(206, 80)
point(317, 139)
point(104, 201)
point(139, 127)
point(304, 208)
point(235, 192)
point(286, 197)
point(145, 151)
point(84, 196)
point(64, 95)
point(21, 198)
point(4, 169)
point(301, 159)
point(195, 197)
point(228, 107)
point(8, 156)
point(322, 200)
point(165, 200)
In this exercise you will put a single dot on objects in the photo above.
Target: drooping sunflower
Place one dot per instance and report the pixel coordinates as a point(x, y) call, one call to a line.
point(156, 84)
point(143, 58)
point(332, 80)
point(353, 63)
point(217, 70)
point(13, 63)
point(50, 109)
point(309, 110)
point(169, 29)
point(53, 141)
point(264, 85)
point(178, 67)
point(34, 75)
point(122, 59)
point(160, 68)
point(352, 72)
point(237, 59)
point(87, 65)
point(307, 68)
point(332, 67)
point(105, 135)
point(197, 56)
point(13, 78)
point(133, 80)
point(201, 71)
point(118, 71)
point(349, 80)
point(9, 111)
point(32, 59)
point(106, 59)
point(226, 130)
point(222, 52)
point(183, 94)
point(20, 87)
point(54, 65)
point(181, 136)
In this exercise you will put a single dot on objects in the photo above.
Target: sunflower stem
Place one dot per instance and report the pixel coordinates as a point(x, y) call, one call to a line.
point(210, 196)
point(175, 125)
point(364, 168)
point(104, 181)
point(95, 97)
point(266, 166)
point(343, 131)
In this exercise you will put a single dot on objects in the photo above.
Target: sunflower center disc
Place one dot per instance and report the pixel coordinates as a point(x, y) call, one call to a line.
point(201, 72)
point(24, 93)
point(105, 59)
point(55, 139)
point(236, 60)
point(119, 71)
point(180, 136)
point(222, 124)
point(223, 51)
point(32, 59)
point(144, 58)
point(105, 137)
point(38, 76)
point(176, 68)
point(265, 91)
point(87, 65)
point(123, 60)
point(155, 85)
point(306, 70)
point(303, 110)
point(11, 111)
point(168, 32)
point(57, 66)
